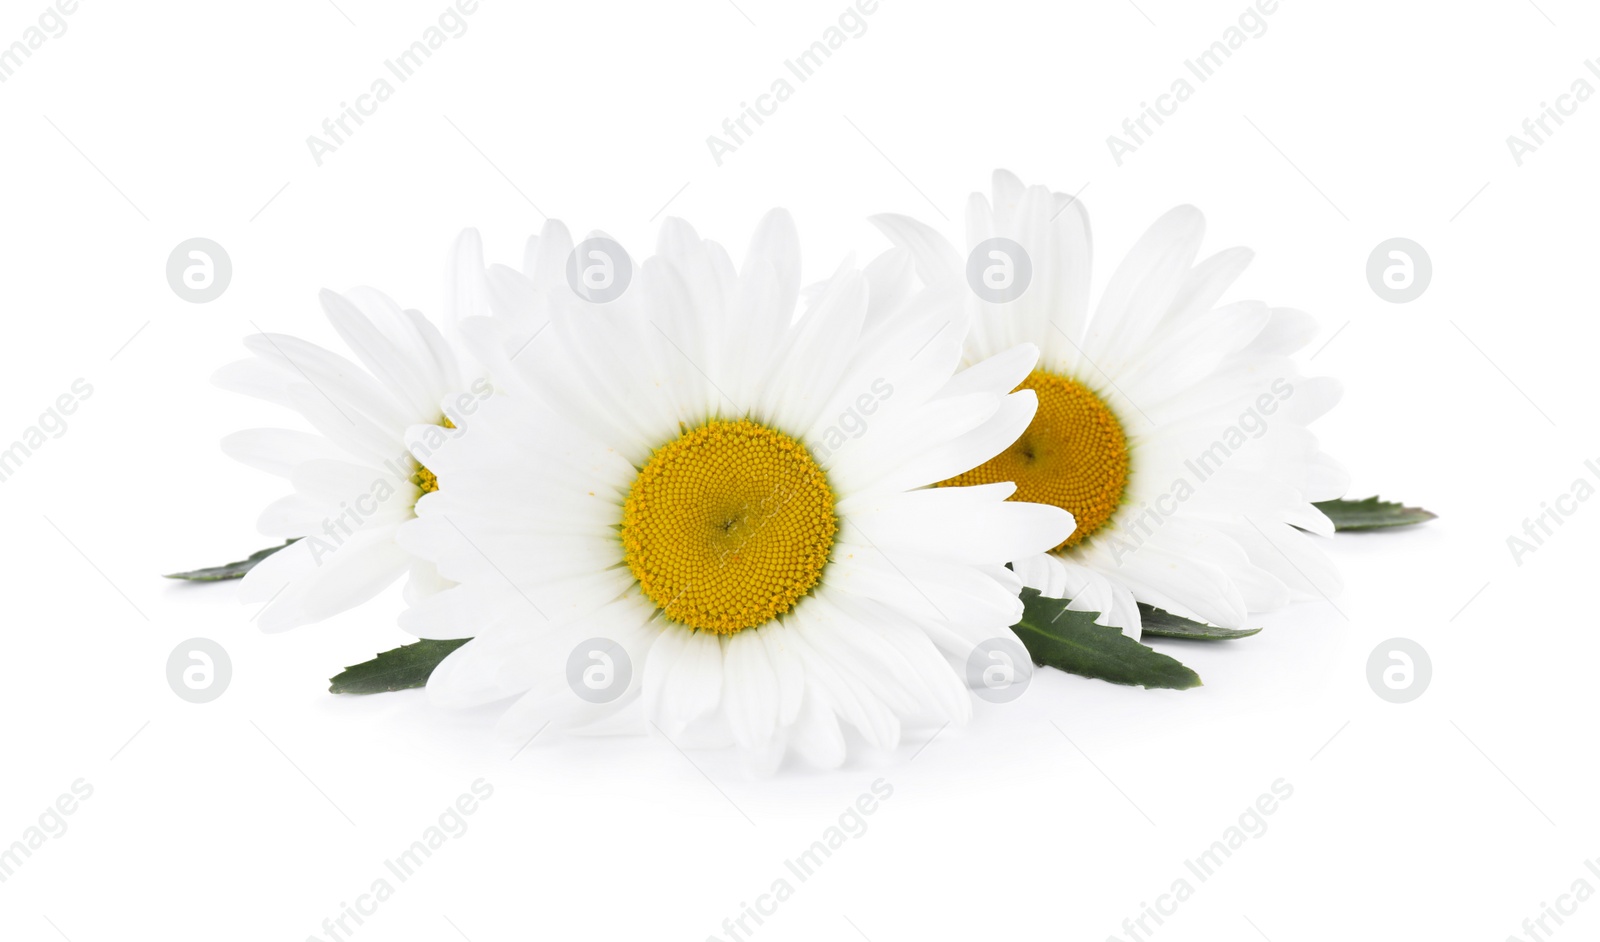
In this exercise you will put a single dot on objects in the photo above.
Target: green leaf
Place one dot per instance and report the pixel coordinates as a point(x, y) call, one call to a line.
point(1163, 624)
point(1058, 637)
point(1372, 514)
point(400, 669)
point(227, 570)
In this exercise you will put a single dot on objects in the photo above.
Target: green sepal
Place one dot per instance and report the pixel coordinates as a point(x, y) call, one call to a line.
point(1058, 637)
point(227, 570)
point(1372, 514)
point(1164, 624)
point(402, 668)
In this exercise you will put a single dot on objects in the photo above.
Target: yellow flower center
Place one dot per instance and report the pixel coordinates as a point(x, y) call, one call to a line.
point(424, 478)
point(728, 526)
point(1073, 455)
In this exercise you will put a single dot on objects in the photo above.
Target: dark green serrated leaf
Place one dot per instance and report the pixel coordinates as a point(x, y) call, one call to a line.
point(1372, 514)
point(1058, 637)
point(400, 669)
point(226, 570)
point(1164, 624)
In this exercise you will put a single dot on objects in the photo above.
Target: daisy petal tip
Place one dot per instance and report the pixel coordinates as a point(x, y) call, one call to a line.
point(336, 305)
point(1062, 521)
point(1003, 177)
point(232, 442)
point(277, 619)
point(442, 697)
point(1186, 215)
point(425, 504)
point(1026, 399)
point(778, 217)
point(1002, 491)
point(556, 229)
point(223, 377)
point(676, 232)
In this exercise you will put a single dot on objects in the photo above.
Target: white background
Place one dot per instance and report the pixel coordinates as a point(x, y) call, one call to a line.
point(258, 815)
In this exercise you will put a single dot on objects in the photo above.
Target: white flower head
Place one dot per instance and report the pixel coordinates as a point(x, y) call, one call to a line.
point(354, 475)
point(1172, 428)
point(737, 503)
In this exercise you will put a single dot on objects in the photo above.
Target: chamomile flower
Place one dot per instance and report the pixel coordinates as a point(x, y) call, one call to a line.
point(354, 475)
point(1173, 429)
point(737, 502)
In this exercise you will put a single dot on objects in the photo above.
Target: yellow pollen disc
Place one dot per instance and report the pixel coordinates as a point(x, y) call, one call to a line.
point(1073, 455)
point(424, 478)
point(728, 526)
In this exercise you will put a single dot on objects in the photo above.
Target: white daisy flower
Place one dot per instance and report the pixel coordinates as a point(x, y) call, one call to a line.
point(1173, 429)
point(355, 480)
point(737, 500)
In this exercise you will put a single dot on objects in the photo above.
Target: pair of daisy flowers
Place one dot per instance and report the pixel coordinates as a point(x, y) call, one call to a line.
point(786, 511)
